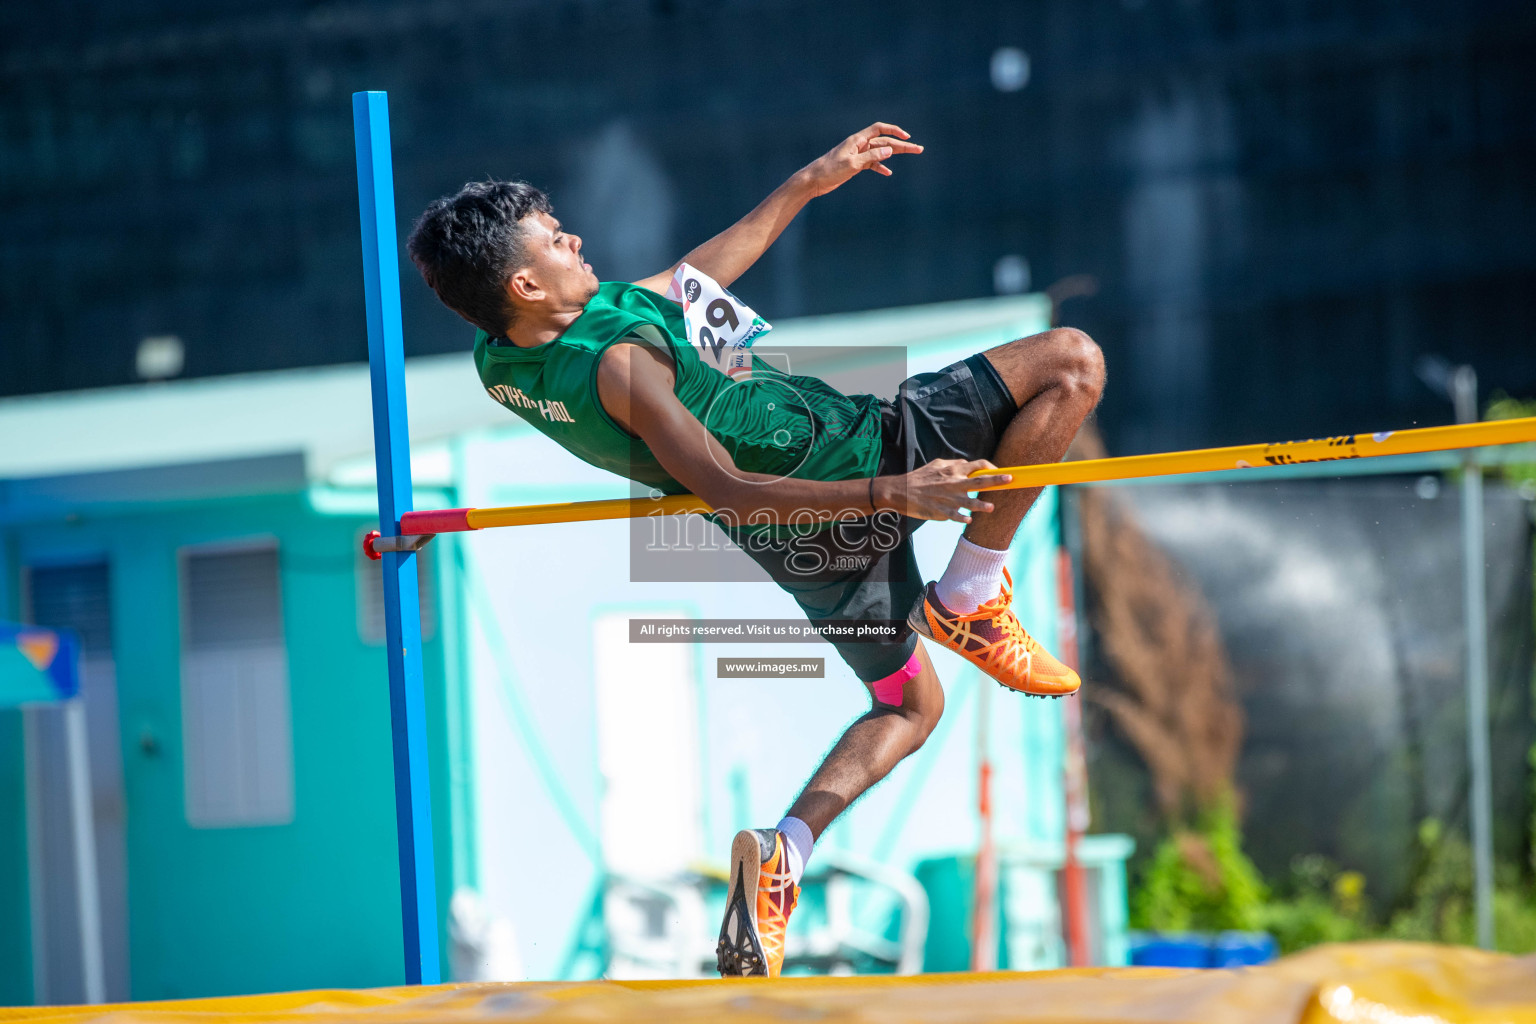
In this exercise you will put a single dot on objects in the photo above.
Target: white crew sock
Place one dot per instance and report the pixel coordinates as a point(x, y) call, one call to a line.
point(974, 577)
point(798, 842)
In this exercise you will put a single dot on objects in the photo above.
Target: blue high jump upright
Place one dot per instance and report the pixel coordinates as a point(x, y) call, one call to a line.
point(402, 608)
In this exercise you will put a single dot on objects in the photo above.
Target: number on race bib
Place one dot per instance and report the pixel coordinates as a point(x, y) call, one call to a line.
point(719, 325)
point(710, 344)
point(720, 313)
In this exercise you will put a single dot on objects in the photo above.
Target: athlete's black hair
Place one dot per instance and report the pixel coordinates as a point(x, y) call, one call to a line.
point(466, 246)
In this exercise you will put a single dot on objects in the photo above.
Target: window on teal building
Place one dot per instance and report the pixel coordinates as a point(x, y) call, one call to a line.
point(236, 727)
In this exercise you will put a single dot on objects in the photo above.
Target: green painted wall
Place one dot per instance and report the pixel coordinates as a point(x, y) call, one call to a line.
point(15, 896)
point(313, 903)
point(15, 903)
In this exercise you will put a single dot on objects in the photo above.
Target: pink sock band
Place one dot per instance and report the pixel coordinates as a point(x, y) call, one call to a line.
point(888, 690)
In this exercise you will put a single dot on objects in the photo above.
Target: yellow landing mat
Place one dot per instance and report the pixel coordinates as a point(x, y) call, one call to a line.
point(1370, 983)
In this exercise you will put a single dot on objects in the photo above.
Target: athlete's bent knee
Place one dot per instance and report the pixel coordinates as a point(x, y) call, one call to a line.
point(924, 719)
point(1079, 362)
point(917, 700)
point(924, 726)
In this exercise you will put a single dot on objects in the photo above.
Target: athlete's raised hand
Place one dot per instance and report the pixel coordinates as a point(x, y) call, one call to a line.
point(940, 490)
point(862, 151)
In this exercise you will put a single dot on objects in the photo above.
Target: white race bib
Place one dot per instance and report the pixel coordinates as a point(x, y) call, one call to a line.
point(720, 325)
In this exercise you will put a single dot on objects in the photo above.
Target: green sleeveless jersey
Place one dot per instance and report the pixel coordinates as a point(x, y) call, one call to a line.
point(772, 422)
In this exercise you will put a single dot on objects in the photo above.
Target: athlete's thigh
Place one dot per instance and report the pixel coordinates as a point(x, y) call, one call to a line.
point(1030, 365)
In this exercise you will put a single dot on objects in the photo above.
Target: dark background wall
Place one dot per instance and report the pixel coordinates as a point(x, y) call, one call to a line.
point(1284, 202)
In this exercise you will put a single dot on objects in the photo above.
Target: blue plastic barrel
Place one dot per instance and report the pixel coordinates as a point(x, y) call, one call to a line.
point(1168, 949)
point(1201, 949)
point(1239, 949)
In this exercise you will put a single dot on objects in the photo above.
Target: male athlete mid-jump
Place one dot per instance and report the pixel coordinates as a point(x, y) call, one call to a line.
point(634, 395)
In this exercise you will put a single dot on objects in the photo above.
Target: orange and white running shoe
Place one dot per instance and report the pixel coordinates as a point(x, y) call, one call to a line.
point(761, 895)
point(992, 639)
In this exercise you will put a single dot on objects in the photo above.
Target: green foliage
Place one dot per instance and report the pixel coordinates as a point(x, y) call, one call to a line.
point(1170, 892)
point(1307, 920)
point(1320, 903)
point(1200, 879)
point(1514, 918)
point(1503, 407)
point(1530, 760)
point(1441, 909)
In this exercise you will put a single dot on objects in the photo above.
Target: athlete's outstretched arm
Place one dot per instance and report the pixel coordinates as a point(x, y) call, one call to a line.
point(728, 255)
point(635, 384)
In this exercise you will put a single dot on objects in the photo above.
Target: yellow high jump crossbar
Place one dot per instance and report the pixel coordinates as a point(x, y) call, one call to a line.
point(1203, 460)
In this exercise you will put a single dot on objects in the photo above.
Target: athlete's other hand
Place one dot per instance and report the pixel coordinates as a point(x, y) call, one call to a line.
point(862, 151)
point(941, 490)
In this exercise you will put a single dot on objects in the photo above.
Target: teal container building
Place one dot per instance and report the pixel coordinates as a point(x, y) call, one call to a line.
point(203, 538)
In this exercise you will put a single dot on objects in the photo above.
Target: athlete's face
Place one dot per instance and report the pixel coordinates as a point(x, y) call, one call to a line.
point(556, 280)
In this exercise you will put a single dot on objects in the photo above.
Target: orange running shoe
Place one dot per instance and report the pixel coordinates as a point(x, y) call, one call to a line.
point(992, 639)
point(759, 900)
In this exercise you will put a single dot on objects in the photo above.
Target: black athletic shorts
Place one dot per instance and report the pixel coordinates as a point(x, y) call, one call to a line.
point(863, 571)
